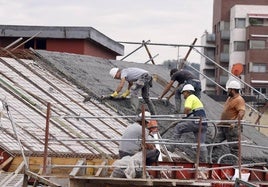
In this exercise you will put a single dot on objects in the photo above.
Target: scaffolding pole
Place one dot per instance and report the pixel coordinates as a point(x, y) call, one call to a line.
point(229, 73)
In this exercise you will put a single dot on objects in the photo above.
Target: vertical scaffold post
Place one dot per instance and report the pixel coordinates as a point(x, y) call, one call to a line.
point(198, 147)
point(46, 139)
point(239, 146)
point(143, 144)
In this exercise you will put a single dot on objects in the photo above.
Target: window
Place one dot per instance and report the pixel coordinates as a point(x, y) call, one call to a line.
point(239, 46)
point(256, 21)
point(224, 26)
point(261, 90)
point(29, 44)
point(240, 22)
point(257, 44)
point(39, 43)
point(226, 48)
point(258, 68)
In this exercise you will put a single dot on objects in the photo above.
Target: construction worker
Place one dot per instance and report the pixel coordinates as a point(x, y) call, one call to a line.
point(128, 147)
point(193, 107)
point(234, 109)
point(182, 77)
point(141, 79)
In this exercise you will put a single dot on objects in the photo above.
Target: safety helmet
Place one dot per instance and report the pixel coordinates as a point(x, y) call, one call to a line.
point(146, 115)
point(113, 71)
point(187, 87)
point(152, 124)
point(234, 85)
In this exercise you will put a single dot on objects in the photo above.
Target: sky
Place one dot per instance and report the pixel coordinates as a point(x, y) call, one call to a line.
point(160, 21)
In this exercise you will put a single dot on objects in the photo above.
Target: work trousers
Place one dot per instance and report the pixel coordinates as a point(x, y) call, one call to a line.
point(231, 135)
point(151, 155)
point(143, 83)
point(190, 126)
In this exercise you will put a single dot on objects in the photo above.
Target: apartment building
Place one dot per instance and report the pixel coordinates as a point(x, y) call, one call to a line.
point(239, 35)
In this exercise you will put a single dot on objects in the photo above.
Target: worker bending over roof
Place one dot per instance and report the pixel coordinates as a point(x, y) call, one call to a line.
point(182, 77)
point(138, 79)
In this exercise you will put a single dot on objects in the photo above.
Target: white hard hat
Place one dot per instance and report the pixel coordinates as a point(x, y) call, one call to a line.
point(146, 115)
point(234, 85)
point(187, 87)
point(113, 71)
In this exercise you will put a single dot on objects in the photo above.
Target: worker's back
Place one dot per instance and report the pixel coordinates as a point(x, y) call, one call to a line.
point(133, 131)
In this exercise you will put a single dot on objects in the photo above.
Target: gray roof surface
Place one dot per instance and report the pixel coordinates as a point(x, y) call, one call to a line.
point(93, 74)
point(65, 80)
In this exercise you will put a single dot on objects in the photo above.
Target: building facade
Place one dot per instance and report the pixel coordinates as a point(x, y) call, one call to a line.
point(77, 40)
point(240, 30)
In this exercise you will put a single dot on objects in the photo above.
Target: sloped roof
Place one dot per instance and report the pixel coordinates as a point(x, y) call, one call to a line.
point(93, 74)
point(65, 80)
point(27, 87)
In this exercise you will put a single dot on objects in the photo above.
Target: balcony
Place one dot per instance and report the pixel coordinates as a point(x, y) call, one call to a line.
point(224, 57)
point(210, 37)
point(210, 83)
point(223, 80)
point(225, 35)
point(209, 63)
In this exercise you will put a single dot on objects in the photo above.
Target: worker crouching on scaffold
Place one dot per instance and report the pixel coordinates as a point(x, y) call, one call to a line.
point(134, 131)
point(193, 108)
point(130, 149)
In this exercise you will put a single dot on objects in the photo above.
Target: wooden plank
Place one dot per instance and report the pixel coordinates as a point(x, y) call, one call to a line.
point(102, 171)
point(6, 162)
point(97, 181)
point(77, 170)
point(41, 179)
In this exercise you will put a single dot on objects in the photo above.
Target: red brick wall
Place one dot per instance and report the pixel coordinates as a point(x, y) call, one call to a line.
point(76, 46)
point(79, 47)
point(94, 49)
point(62, 45)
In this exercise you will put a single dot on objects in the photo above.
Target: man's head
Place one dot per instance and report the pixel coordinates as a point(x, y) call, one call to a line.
point(113, 72)
point(174, 70)
point(150, 124)
point(187, 90)
point(233, 88)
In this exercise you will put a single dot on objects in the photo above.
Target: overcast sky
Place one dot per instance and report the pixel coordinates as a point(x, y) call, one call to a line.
point(160, 21)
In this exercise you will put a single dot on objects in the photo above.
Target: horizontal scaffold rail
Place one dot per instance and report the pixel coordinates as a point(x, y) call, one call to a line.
point(160, 166)
point(166, 44)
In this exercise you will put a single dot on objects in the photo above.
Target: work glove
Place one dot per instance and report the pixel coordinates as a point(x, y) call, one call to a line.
point(125, 94)
point(115, 94)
